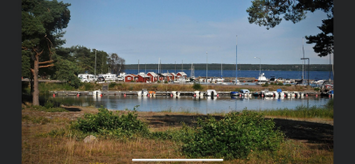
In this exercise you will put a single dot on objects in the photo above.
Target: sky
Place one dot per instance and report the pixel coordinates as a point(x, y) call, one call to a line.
point(185, 31)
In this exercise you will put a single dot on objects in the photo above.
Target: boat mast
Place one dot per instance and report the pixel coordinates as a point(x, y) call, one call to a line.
point(206, 65)
point(158, 65)
point(236, 65)
point(303, 71)
point(221, 70)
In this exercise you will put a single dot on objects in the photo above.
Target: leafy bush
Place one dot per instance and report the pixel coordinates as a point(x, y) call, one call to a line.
point(108, 123)
point(235, 136)
point(330, 104)
point(279, 83)
point(88, 86)
point(196, 86)
point(48, 105)
point(316, 89)
point(112, 85)
point(266, 84)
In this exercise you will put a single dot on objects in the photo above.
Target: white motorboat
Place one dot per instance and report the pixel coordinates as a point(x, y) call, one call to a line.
point(262, 79)
point(211, 92)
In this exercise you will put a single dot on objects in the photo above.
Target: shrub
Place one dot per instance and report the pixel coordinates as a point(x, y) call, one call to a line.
point(88, 86)
point(235, 136)
point(196, 86)
point(266, 84)
point(108, 123)
point(316, 89)
point(112, 85)
point(48, 105)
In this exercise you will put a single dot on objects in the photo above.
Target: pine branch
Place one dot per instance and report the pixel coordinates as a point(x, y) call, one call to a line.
point(45, 66)
point(45, 62)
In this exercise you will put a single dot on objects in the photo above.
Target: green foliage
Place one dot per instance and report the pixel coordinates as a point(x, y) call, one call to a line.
point(330, 104)
point(88, 86)
point(303, 112)
point(26, 64)
point(112, 85)
point(287, 84)
point(67, 71)
point(197, 86)
point(316, 89)
point(108, 123)
point(166, 82)
point(267, 13)
point(265, 85)
point(48, 105)
point(235, 136)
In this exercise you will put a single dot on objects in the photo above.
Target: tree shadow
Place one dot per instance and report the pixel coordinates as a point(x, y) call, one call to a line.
point(72, 109)
point(304, 130)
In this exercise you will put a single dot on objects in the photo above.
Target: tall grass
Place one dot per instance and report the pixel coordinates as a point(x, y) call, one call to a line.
point(302, 112)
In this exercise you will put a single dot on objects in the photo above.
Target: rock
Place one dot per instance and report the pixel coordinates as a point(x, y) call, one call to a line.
point(90, 139)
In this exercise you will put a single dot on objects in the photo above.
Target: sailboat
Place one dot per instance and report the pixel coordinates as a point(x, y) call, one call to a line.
point(192, 74)
point(221, 79)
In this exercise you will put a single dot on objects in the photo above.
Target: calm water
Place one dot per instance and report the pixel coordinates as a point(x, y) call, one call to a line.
point(231, 73)
point(187, 103)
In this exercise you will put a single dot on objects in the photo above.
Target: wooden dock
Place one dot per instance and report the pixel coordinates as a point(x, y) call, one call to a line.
point(157, 93)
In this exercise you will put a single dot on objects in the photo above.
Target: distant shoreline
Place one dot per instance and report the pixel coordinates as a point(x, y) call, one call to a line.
point(251, 67)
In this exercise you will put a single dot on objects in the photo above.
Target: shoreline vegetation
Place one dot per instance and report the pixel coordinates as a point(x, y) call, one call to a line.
point(56, 134)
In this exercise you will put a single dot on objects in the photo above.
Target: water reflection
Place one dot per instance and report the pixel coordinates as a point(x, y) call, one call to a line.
point(190, 104)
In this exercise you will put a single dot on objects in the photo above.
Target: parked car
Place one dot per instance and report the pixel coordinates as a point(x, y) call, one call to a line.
point(100, 78)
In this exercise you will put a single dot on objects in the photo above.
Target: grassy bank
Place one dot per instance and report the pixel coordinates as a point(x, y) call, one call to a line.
point(57, 137)
point(303, 112)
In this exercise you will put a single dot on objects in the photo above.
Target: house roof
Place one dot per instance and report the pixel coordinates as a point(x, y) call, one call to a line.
point(153, 74)
point(166, 74)
point(182, 73)
point(133, 75)
point(143, 75)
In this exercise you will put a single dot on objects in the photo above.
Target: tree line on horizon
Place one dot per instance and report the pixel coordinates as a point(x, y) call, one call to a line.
point(215, 66)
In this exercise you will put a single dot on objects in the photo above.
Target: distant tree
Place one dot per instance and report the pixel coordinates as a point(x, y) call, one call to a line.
point(67, 71)
point(42, 22)
point(267, 13)
point(116, 63)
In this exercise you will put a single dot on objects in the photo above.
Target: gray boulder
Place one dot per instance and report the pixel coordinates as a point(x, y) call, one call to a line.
point(90, 139)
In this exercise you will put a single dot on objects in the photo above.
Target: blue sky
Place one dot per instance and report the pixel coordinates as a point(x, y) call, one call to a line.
point(184, 30)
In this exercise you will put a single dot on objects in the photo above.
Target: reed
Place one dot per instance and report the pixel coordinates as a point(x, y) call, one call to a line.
point(301, 112)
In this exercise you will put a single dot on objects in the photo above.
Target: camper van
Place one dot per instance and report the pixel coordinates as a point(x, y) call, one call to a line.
point(86, 77)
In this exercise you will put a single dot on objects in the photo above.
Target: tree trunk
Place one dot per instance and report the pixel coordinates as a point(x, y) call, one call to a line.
point(35, 93)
